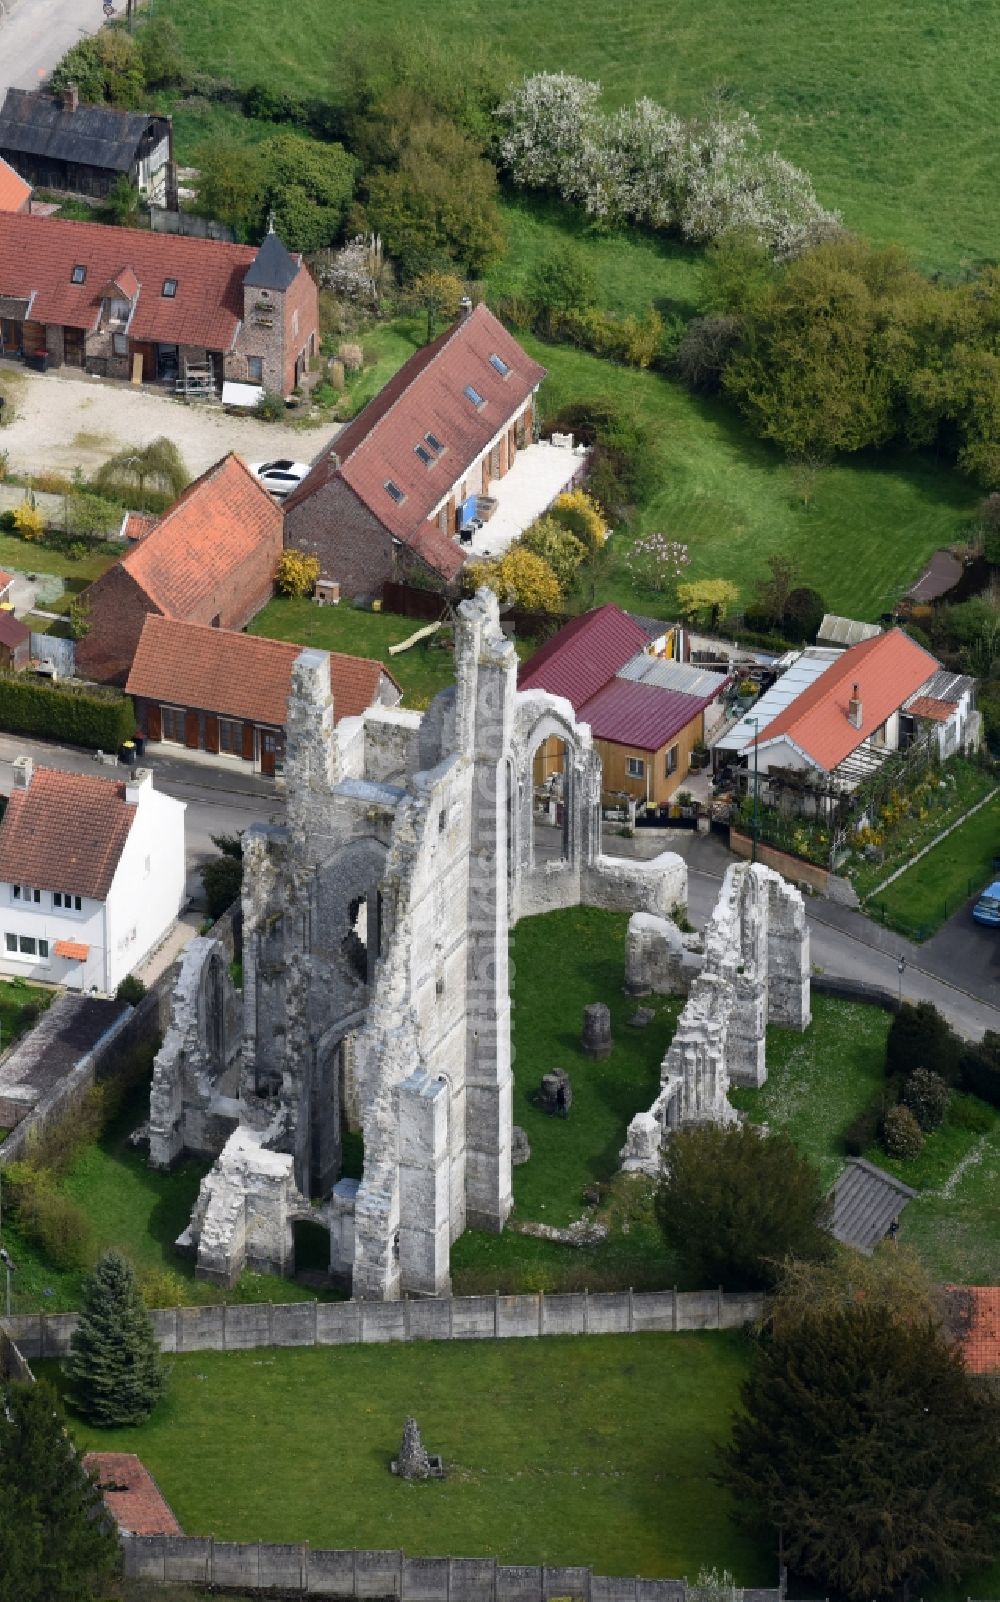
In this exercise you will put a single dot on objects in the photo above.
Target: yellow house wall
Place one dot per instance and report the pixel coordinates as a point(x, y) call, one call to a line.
point(655, 785)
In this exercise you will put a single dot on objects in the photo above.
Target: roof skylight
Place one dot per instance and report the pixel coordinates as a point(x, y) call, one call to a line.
point(502, 367)
point(394, 491)
point(474, 396)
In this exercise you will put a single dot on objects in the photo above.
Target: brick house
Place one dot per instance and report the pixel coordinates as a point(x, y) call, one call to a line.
point(57, 143)
point(226, 693)
point(402, 480)
point(15, 194)
point(15, 642)
point(646, 712)
point(121, 302)
point(209, 559)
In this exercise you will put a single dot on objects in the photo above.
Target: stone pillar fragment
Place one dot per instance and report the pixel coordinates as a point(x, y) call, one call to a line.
point(424, 1188)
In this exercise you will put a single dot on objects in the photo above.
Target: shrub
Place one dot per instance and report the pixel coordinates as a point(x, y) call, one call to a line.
point(521, 577)
point(271, 407)
point(307, 186)
point(51, 1220)
point(296, 572)
point(926, 1095)
point(804, 611)
point(708, 598)
point(657, 561)
point(901, 1134)
point(93, 717)
point(136, 469)
point(980, 1069)
point(865, 1127)
point(558, 547)
point(920, 1038)
point(28, 520)
point(580, 514)
point(131, 989)
point(705, 347)
point(91, 516)
point(222, 879)
point(622, 468)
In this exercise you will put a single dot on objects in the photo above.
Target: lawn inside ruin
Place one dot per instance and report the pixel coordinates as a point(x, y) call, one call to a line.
point(593, 1450)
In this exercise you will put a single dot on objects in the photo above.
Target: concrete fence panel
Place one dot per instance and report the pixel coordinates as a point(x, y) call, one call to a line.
point(187, 1559)
point(472, 1579)
point(200, 1329)
point(653, 1310)
point(517, 1316)
point(293, 1324)
point(425, 1579)
point(565, 1581)
point(331, 1574)
point(609, 1589)
point(563, 1315)
point(698, 1309)
point(665, 1591)
point(165, 1327)
point(383, 1321)
point(247, 1326)
point(518, 1582)
point(58, 1332)
point(378, 1574)
point(236, 1564)
point(338, 1323)
point(282, 1568)
point(430, 1320)
point(472, 1318)
point(608, 1313)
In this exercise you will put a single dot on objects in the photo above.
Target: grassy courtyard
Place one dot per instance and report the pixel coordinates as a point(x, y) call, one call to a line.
point(421, 672)
point(595, 1450)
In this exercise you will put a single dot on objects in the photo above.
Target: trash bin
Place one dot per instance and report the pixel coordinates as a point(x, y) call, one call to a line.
point(140, 746)
point(127, 752)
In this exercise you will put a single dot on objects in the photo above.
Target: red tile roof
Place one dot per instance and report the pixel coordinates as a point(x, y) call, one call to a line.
point(239, 675)
point(427, 396)
point(6, 580)
point(640, 715)
point(38, 254)
point(12, 630)
point(66, 831)
point(136, 525)
point(584, 655)
point(886, 669)
point(131, 1494)
point(74, 950)
point(14, 192)
point(928, 706)
point(204, 537)
point(979, 1326)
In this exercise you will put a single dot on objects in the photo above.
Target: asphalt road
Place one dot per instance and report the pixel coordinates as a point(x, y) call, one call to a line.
point(35, 34)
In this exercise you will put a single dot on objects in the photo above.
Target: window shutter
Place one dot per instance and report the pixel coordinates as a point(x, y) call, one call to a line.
point(248, 742)
point(211, 732)
point(191, 731)
point(154, 723)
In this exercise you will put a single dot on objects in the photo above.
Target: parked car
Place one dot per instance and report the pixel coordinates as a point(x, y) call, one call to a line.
point(987, 908)
point(279, 477)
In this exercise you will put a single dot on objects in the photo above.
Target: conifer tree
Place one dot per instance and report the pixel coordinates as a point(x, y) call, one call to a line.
point(114, 1368)
point(57, 1543)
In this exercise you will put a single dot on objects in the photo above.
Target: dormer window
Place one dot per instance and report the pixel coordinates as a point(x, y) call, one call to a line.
point(499, 365)
point(472, 394)
point(78, 275)
point(394, 492)
point(169, 288)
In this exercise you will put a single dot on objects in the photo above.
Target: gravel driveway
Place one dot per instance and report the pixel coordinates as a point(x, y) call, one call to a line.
point(65, 422)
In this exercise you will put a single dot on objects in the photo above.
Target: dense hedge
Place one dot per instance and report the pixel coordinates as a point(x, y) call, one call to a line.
point(98, 718)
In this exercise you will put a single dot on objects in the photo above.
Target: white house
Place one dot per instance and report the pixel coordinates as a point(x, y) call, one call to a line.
point(91, 875)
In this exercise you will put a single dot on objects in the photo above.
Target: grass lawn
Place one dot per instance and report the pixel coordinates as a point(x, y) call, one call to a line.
point(818, 1081)
point(955, 1222)
point(140, 1212)
point(887, 107)
point(921, 899)
point(422, 671)
point(732, 498)
point(16, 996)
point(569, 1450)
point(27, 556)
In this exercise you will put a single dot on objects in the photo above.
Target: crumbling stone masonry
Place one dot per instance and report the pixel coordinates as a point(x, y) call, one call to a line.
point(375, 973)
point(752, 969)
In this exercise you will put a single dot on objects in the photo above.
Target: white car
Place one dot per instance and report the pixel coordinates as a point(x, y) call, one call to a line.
point(280, 477)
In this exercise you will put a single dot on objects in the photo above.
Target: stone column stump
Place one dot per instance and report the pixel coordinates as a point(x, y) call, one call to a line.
point(597, 1041)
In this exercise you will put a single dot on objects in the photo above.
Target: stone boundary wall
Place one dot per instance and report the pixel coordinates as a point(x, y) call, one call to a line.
point(237, 1327)
point(13, 1364)
point(302, 1570)
point(91, 1068)
point(855, 990)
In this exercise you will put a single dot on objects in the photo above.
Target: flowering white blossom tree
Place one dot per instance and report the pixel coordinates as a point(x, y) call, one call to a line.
point(700, 178)
point(658, 561)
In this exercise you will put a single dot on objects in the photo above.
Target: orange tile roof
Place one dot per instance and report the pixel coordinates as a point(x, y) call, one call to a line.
point(136, 525)
point(6, 580)
point(38, 254)
point(204, 537)
point(886, 669)
point(75, 950)
point(14, 192)
point(131, 1494)
point(66, 831)
point(978, 1308)
point(927, 706)
point(235, 675)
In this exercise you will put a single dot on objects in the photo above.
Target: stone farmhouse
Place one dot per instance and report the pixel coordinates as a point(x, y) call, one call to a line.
point(416, 482)
point(375, 976)
point(226, 693)
point(209, 559)
point(91, 875)
point(160, 308)
point(646, 712)
point(56, 143)
point(15, 193)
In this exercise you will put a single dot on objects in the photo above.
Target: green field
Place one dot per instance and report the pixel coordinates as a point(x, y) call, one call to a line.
point(421, 671)
point(924, 897)
point(889, 107)
point(590, 1450)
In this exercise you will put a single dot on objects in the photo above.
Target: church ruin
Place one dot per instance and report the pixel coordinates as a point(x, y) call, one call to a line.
point(375, 974)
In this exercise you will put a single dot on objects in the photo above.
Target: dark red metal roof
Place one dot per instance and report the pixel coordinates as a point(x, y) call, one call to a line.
point(584, 655)
point(640, 715)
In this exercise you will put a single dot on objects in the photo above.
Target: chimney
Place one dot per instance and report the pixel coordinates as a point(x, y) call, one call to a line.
point(334, 461)
point(854, 707)
point(23, 767)
point(465, 306)
point(140, 782)
point(71, 98)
